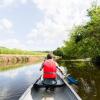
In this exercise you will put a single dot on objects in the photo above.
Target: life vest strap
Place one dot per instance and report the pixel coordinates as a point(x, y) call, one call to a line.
point(49, 72)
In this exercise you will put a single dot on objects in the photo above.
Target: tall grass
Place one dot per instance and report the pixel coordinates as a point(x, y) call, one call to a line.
point(4, 50)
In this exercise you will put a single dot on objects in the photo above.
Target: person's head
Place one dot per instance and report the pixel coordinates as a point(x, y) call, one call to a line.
point(49, 56)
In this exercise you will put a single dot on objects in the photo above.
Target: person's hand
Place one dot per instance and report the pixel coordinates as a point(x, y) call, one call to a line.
point(64, 74)
point(40, 69)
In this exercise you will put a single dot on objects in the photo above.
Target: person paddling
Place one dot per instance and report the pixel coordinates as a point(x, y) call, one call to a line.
point(49, 67)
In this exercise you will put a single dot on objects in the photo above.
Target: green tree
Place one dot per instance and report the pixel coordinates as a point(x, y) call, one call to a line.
point(84, 39)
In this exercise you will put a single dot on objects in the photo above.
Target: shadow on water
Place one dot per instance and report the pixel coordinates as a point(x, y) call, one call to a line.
point(88, 76)
point(14, 82)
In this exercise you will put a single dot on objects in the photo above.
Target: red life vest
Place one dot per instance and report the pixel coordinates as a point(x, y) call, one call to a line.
point(49, 69)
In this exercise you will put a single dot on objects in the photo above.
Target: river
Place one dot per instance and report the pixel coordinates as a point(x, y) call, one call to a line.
point(88, 76)
point(13, 83)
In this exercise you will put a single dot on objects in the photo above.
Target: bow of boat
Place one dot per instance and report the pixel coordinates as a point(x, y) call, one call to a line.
point(64, 92)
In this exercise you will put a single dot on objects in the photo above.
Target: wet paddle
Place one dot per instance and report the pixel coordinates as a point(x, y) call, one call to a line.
point(70, 79)
point(35, 85)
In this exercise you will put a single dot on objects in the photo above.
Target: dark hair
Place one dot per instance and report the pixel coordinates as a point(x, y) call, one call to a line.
point(49, 56)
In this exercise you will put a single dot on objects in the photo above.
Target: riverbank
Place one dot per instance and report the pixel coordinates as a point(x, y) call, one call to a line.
point(19, 58)
point(12, 61)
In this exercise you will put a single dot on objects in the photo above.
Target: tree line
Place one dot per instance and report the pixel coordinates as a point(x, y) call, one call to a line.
point(84, 39)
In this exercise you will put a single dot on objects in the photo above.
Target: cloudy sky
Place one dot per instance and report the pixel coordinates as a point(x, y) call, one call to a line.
point(39, 24)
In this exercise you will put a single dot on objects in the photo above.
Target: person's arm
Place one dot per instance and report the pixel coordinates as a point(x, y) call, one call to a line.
point(41, 67)
point(60, 70)
point(42, 64)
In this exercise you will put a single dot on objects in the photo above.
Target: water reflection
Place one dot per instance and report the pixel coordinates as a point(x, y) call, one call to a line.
point(14, 82)
point(89, 79)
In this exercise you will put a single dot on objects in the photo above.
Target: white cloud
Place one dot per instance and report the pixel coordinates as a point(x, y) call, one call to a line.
point(63, 11)
point(6, 24)
point(4, 3)
point(6, 27)
point(12, 43)
point(24, 1)
point(12, 3)
point(45, 35)
point(59, 16)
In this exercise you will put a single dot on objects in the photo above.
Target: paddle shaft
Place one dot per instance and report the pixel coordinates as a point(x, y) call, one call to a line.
point(38, 79)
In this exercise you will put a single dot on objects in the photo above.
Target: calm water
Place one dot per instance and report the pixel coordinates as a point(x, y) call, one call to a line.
point(14, 82)
point(89, 79)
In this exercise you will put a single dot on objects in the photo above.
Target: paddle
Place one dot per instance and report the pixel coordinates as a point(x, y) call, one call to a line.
point(70, 79)
point(35, 85)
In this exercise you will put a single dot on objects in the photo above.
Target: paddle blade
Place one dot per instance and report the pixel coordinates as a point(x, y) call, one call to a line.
point(72, 80)
point(35, 87)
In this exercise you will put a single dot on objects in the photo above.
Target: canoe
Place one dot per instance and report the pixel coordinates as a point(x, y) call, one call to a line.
point(62, 91)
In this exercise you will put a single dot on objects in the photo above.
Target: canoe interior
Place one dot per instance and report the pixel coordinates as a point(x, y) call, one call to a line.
point(60, 93)
point(60, 83)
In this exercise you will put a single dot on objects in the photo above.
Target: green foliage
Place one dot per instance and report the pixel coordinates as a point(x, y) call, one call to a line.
point(58, 52)
point(4, 50)
point(85, 39)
